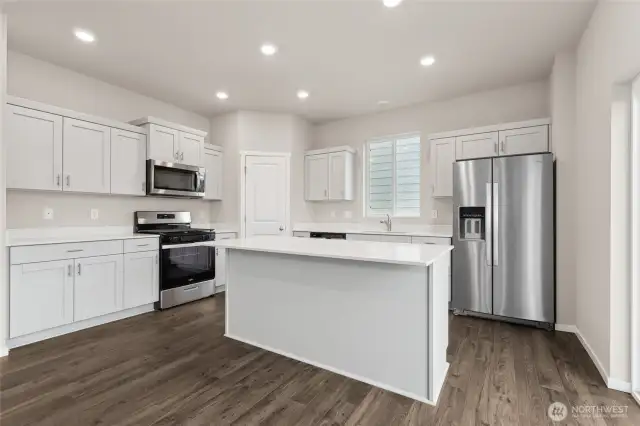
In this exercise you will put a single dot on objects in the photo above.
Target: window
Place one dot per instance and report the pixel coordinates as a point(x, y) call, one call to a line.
point(392, 176)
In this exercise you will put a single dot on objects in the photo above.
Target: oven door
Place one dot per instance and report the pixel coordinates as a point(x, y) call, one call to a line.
point(185, 264)
point(175, 180)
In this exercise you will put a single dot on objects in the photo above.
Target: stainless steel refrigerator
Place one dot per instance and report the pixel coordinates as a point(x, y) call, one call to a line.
point(503, 261)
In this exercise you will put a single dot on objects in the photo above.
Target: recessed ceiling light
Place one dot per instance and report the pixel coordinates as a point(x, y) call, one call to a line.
point(223, 96)
point(383, 103)
point(84, 35)
point(303, 94)
point(427, 61)
point(391, 3)
point(268, 49)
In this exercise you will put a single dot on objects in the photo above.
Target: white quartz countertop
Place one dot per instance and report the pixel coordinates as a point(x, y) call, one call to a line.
point(368, 251)
point(441, 231)
point(32, 237)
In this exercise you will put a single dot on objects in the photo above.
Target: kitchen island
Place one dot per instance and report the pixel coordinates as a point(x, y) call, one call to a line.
point(376, 312)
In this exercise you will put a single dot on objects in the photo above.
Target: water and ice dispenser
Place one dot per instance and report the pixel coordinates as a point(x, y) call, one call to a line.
point(472, 223)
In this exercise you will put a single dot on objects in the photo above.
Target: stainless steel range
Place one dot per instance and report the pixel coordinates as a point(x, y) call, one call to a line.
point(187, 256)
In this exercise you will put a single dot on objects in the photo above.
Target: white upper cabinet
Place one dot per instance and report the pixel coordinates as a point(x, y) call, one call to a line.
point(173, 142)
point(128, 162)
point(316, 177)
point(329, 174)
point(477, 146)
point(34, 149)
point(191, 149)
point(213, 166)
point(41, 296)
point(98, 287)
point(526, 140)
point(442, 159)
point(163, 144)
point(140, 278)
point(86, 156)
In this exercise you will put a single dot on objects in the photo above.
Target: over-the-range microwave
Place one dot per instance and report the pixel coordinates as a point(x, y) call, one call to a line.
point(175, 180)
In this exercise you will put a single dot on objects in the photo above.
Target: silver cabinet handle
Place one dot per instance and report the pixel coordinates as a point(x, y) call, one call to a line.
point(182, 156)
point(143, 245)
point(68, 180)
point(193, 287)
point(144, 186)
point(74, 251)
point(502, 146)
point(79, 269)
point(156, 259)
point(58, 180)
point(217, 254)
point(69, 270)
point(495, 147)
point(177, 155)
point(325, 192)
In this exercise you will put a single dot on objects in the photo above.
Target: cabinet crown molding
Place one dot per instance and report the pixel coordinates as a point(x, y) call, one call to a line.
point(343, 148)
point(160, 122)
point(492, 128)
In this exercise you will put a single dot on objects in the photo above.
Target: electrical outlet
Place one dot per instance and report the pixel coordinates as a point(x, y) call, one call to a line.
point(95, 213)
point(47, 213)
point(434, 214)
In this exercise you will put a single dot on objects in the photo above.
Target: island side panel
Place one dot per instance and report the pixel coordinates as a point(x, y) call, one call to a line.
point(438, 280)
point(365, 320)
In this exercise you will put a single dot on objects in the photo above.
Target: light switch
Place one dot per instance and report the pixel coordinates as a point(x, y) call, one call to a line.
point(434, 214)
point(95, 213)
point(47, 213)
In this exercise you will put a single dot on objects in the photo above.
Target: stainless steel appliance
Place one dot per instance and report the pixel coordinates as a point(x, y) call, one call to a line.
point(329, 235)
point(175, 180)
point(187, 256)
point(503, 234)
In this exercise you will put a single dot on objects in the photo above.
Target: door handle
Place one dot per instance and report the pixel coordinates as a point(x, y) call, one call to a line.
point(496, 207)
point(79, 269)
point(488, 223)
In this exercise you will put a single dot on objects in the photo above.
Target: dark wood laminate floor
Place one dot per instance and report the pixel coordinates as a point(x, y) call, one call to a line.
point(176, 368)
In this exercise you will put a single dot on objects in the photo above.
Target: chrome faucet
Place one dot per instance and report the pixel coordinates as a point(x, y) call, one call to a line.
point(387, 222)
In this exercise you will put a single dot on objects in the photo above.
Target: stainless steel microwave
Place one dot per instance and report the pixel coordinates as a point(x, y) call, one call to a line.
point(175, 180)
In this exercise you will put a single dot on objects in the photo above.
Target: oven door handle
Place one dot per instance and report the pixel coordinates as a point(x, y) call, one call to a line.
point(196, 244)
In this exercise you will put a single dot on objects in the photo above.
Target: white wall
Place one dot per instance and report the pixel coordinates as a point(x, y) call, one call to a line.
point(607, 55)
point(515, 103)
point(563, 116)
point(4, 267)
point(41, 81)
point(259, 131)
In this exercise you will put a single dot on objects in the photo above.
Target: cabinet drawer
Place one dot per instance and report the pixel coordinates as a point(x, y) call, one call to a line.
point(431, 240)
point(140, 244)
point(302, 234)
point(48, 252)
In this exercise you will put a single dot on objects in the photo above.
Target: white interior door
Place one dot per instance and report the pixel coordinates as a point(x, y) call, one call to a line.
point(266, 195)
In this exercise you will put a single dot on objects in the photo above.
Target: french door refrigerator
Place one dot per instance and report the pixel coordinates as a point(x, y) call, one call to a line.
point(503, 261)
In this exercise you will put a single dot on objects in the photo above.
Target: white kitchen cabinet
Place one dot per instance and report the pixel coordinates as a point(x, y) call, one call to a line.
point(437, 241)
point(316, 177)
point(140, 278)
point(363, 237)
point(442, 159)
point(98, 287)
point(128, 162)
point(213, 166)
point(477, 146)
point(221, 260)
point(41, 296)
point(329, 174)
point(34, 149)
point(527, 140)
point(163, 144)
point(86, 156)
point(191, 149)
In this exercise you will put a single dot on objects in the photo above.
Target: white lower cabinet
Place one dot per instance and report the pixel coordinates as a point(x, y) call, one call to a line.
point(140, 278)
point(379, 238)
point(98, 286)
point(41, 296)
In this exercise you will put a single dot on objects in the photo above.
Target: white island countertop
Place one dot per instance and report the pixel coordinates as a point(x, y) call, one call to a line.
point(367, 251)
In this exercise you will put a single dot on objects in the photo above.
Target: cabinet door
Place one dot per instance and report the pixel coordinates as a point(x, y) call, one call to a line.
point(128, 162)
point(363, 237)
point(527, 140)
point(86, 156)
point(442, 159)
point(41, 296)
point(477, 146)
point(141, 284)
point(34, 149)
point(221, 265)
point(317, 177)
point(337, 175)
point(191, 147)
point(163, 144)
point(213, 182)
point(98, 286)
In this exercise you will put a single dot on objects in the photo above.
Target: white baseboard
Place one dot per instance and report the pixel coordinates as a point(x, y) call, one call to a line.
point(636, 396)
point(77, 326)
point(338, 371)
point(619, 385)
point(568, 328)
point(220, 289)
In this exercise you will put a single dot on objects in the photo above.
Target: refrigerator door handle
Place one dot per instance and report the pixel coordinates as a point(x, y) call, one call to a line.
point(488, 232)
point(495, 226)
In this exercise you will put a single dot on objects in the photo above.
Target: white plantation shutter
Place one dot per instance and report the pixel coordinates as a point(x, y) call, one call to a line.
point(393, 176)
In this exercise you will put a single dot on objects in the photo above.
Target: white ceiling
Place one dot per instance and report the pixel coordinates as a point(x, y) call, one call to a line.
point(348, 54)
